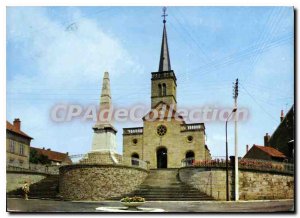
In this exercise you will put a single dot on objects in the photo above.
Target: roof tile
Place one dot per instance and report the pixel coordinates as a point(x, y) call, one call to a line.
point(54, 155)
point(270, 151)
point(12, 128)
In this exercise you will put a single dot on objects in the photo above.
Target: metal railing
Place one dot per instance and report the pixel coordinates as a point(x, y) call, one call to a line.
point(115, 159)
point(133, 131)
point(160, 75)
point(251, 164)
point(192, 127)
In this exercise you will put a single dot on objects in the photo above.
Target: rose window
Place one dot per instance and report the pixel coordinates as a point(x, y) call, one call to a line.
point(161, 130)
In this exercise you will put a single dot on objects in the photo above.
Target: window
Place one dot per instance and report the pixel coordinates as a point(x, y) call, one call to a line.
point(21, 150)
point(12, 146)
point(159, 90)
point(161, 130)
point(164, 90)
point(134, 141)
point(190, 138)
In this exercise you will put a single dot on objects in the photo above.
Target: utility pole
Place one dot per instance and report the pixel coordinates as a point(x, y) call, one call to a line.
point(236, 165)
point(227, 180)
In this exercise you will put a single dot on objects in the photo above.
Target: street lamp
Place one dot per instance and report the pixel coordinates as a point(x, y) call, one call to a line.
point(227, 182)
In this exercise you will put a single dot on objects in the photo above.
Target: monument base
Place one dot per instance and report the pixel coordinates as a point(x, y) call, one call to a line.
point(103, 157)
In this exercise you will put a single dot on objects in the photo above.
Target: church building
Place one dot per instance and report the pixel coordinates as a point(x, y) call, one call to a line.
point(164, 143)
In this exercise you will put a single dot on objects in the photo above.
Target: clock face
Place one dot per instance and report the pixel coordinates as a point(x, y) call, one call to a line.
point(161, 130)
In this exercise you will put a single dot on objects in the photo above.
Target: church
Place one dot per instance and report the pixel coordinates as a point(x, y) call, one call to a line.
point(164, 143)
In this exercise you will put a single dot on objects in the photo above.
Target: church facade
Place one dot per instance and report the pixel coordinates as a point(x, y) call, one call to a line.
point(164, 142)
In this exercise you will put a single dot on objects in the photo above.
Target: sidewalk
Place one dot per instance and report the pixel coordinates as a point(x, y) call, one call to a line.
point(35, 205)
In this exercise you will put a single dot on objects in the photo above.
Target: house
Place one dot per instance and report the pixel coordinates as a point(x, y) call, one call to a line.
point(265, 153)
point(283, 137)
point(17, 145)
point(56, 158)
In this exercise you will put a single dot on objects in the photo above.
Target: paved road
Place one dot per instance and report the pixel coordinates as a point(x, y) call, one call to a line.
point(35, 205)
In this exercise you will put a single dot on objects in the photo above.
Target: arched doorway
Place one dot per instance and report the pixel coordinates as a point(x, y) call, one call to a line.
point(190, 154)
point(134, 159)
point(190, 158)
point(162, 157)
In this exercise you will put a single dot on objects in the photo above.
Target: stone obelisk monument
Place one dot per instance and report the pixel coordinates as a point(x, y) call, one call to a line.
point(104, 139)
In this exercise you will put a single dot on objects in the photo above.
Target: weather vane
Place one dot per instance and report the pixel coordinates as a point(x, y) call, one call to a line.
point(164, 14)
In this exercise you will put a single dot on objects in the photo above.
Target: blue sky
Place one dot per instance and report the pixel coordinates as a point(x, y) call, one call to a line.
point(58, 55)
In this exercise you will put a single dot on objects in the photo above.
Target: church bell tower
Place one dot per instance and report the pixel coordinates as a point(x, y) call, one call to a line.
point(163, 82)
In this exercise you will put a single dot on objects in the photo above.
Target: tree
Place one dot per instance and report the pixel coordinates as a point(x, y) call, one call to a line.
point(37, 158)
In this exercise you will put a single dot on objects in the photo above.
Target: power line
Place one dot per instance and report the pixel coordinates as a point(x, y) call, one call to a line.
point(273, 118)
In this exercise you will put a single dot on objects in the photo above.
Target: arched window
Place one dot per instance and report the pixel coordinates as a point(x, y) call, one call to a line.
point(159, 90)
point(164, 89)
point(135, 159)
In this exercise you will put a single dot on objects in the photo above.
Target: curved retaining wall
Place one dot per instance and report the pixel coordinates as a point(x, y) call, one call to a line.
point(253, 185)
point(98, 182)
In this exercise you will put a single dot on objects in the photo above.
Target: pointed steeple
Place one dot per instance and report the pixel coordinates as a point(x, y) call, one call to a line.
point(164, 61)
point(104, 120)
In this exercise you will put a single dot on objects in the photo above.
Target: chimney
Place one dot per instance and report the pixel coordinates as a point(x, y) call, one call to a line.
point(48, 149)
point(43, 148)
point(247, 148)
point(281, 116)
point(266, 139)
point(17, 124)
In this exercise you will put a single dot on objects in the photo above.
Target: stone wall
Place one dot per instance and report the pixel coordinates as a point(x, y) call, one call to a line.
point(15, 180)
point(35, 168)
point(98, 182)
point(129, 147)
point(101, 158)
point(253, 185)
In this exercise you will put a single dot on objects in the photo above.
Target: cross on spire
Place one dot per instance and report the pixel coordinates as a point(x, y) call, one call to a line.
point(164, 15)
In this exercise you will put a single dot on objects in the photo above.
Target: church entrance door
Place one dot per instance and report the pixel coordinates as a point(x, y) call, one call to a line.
point(162, 158)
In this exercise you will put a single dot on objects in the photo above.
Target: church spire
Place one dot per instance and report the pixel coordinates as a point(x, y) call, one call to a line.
point(164, 62)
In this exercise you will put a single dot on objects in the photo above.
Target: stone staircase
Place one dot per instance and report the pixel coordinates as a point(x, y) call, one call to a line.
point(164, 185)
point(47, 188)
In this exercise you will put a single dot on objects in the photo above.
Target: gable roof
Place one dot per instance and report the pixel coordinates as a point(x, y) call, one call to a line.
point(270, 151)
point(13, 129)
point(158, 107)
point(53, 155)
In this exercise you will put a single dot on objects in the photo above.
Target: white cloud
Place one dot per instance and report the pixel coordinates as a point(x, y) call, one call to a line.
point(60, 59)
point(66, 57)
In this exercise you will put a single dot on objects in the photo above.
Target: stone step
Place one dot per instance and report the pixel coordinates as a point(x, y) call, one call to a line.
point(46, 188)
point(164, 185)
point(166, 194)
point(174, 198)
point(178, 199)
